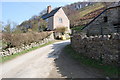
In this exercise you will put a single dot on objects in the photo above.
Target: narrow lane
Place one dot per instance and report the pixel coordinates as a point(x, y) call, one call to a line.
point(48, 62)
point(34, 64)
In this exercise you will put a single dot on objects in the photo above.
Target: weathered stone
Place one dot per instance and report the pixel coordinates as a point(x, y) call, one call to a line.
point(97, 47)
point(105, 23)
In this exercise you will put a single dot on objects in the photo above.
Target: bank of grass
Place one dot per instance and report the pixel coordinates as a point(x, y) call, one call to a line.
point(4, 59)
point(108, 70)
point(78, 28)
point(86, 10)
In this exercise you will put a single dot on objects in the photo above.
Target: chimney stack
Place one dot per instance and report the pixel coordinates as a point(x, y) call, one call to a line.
point(49, 9)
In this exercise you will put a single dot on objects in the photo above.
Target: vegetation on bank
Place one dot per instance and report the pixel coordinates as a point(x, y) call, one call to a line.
point(83, 15)
point(18, 40)
point(16, 36)
point(108, 70)
point(78, 28)
point(4, 59)
point(7, 58)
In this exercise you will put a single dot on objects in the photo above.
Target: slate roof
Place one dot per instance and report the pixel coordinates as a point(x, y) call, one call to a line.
point(47, 15)
point(98, 16)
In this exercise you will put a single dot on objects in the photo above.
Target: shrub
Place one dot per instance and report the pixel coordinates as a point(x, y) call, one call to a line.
point(61, 29)
point(17, 40)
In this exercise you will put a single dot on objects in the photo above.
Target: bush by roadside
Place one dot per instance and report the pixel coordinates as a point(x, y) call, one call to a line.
point(18, 40)
point(17, 43)
point(6, 58)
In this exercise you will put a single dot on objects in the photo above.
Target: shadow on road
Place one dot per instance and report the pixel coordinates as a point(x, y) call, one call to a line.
point(73, 69)
point(68, 67)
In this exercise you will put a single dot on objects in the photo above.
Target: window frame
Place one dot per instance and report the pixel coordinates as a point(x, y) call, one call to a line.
point(105, 18)
point(60, 20)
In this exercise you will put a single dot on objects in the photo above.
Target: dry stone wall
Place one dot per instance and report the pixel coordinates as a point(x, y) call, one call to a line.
point(103, 48)
point(15, 50)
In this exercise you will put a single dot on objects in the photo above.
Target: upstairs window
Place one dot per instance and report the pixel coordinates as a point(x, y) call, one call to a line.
point(105, 19)
point(60, 20)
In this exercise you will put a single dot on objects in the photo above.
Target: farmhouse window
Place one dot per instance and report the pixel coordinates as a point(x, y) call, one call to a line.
point(105, 19)
point(60, 20)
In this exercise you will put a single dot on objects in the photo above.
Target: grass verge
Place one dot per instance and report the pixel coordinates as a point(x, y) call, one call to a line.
point(108, 70)
point(4, 59)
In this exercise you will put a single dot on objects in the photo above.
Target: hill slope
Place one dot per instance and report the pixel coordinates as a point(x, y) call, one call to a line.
point(83, 15)
point(79, 13)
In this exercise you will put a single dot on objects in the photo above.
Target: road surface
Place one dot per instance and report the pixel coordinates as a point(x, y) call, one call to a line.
point(34, 64)
point(47, 62)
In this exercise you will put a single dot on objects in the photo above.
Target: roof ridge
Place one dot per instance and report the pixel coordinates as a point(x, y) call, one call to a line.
point(99, 15)
point(47, 15)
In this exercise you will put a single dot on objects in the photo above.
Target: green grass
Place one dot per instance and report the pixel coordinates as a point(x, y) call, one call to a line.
point(108, 70)
point(90, 9)
point(78, 28)
point(87, 10)
point(4, 59)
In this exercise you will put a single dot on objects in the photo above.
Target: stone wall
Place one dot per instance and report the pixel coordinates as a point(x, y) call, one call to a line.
point(104, 48)
point(100, 26)
point(11, 51)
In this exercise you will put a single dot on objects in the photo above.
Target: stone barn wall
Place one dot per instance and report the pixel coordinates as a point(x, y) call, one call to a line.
point(104, 23)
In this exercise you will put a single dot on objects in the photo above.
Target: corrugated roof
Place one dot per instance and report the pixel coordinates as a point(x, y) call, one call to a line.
point(47, 15)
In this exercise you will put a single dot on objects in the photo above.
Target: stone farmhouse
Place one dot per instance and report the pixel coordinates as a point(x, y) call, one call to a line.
point(56, 18)
point(106, 22)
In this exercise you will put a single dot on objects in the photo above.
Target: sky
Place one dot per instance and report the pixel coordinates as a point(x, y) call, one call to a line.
point(20, 11)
